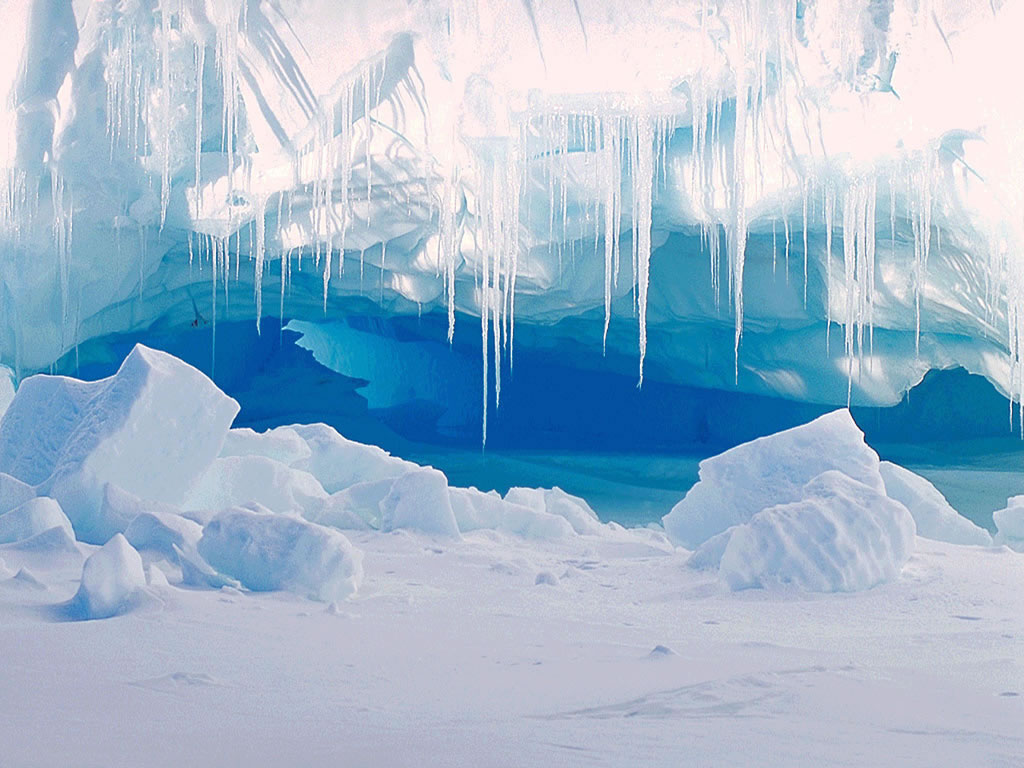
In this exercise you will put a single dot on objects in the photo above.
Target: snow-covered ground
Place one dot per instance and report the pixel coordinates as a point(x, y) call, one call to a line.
point(452, 654)
point(295, 598)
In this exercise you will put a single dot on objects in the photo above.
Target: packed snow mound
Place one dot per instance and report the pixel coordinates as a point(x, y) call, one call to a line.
point(476, 510)
point(150, 525)
point(933, 515)
point(1010, 524)
point(842, 536)
point(152, 428)
point(555, 501)
point(736, 485)
point(239, 480)
point(268, 552)
point(35, 516)
point(111, 579)
point(339, 463)
point(419, 501)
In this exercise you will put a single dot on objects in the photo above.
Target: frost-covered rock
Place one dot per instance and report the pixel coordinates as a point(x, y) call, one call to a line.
point(841, 536)
point(338, 462)
point(239, 480)
point(555, 501)
point(476, 510)
point(35, 516)
point(933, 515)
point(152, 428)
point(419, 501)
point(1010, 524)
point(736, 485)
point(111, 579)
point(268, 552)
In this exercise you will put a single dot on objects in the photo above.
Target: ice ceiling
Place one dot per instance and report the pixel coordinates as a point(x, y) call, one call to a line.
point(817, 200)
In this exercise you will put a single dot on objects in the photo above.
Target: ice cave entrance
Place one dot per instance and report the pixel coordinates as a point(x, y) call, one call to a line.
point(565, 418)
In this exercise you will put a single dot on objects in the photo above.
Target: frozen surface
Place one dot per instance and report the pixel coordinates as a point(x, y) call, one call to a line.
point(472, 629)
point(461, 656)
point(475, 509)
point(112, 578)
point(555, 501)
point(1010, 523)
point(248, 479)
point(337, 462)
point(841, 536)
point(736, 485)
point(933, 516)
point(267, 551)
point(152, 429)
point(33, 517)
point(419, 501)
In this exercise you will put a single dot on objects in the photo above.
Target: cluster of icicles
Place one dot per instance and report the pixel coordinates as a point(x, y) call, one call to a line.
point(626, 141)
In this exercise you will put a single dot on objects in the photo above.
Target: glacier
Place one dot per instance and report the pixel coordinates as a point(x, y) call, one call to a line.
point(508, 382)
point(811, 202)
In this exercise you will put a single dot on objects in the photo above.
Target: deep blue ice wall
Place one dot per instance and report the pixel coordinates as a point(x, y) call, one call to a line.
point(547, 403)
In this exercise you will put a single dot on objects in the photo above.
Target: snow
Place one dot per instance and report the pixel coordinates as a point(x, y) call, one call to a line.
point(13, 492)
point(238, 480)
point(476, 510)
point(555, 501)
point(111, 579)
point(267, 551)
point(466, 626)
point(282, 444)
point(419, 501)
point(1010, 523)
point(447, 656)
point(736, 485)
point(841, 536)
point(35, 516)
point(151, 429)
point(681, 193)
point(338, 463)
point(933, 516)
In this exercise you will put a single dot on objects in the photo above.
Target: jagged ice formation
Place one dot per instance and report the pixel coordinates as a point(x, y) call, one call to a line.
point(713, 184)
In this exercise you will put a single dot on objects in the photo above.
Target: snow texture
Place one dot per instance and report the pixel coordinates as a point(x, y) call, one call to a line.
point(555, 501)
point(419, 501)
point(111, 579)
point(1010, 523)
point(476, 510)
point(736, 485)
point(152, 429)
point(239, 480)
point(933, 516)
point(35, 516)
point(267, 551)
point(841, 536)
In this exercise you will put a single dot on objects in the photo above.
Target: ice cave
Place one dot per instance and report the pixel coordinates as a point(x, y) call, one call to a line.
point(511, 383)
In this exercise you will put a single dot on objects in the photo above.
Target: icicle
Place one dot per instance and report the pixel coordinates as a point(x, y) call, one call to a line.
point(165, 105)
point(200, 66)
point(642, 177)
point(261, 250)
point(830, 210)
